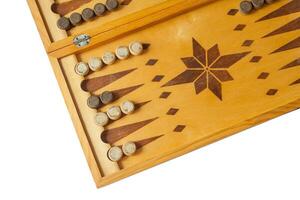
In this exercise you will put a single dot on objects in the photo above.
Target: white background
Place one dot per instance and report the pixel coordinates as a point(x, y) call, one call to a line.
point(41, 158)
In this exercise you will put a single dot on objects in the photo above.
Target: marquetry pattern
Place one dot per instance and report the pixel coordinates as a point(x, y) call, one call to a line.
point(206, 69)
point(293, 25)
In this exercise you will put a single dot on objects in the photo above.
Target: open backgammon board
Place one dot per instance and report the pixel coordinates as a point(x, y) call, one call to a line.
point(190, 72)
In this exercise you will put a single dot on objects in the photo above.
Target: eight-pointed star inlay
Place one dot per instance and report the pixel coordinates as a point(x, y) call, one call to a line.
point(206, 69)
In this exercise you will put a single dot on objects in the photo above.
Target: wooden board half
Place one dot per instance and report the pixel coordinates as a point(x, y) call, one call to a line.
point(208, 72)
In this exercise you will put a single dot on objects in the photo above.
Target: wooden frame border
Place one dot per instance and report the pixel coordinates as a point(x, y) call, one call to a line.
point(134, 21)
point(84, 141)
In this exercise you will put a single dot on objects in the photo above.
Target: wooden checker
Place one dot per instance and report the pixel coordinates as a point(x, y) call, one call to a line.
point(207, 71)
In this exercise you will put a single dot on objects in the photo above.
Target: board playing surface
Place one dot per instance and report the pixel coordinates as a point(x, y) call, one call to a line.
point(207, 72)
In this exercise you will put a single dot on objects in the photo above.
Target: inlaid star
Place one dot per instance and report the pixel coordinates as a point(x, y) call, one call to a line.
point(206, 69)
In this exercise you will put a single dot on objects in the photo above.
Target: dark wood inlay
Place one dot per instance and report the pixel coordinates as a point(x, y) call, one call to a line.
point(199, 52)
point(255, 59)
point(215, 86)
point(292, 64)
point(212, 54)
point(291, 26)
point(247, 43)
point(113, 135)
point(142, 143)
point(152, 62)
point(67, 7)
point(139, 105)
point(210, 75)
point(232, 12)
point(179, 128)
point(172, 111)
point(240, 27)
point(191, 62)
point(146, 46)
point(291, 45)
point(125, 2)
point(201, 83)
point(295, 82)
point(289, 8)
point(272, 92)
point(263, 75)
point(222, 75)
point(165, 95)
point(187, 76)
point(228, 60)
point(91, 85)
point(158, 78)
point(122, 92)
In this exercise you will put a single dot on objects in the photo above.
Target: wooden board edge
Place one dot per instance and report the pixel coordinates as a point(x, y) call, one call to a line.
point(127, 24)
point(294, 105)
point(84, 141)
point(40, 24)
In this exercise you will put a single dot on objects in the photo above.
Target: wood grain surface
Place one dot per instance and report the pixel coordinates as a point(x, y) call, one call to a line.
point(204, 77)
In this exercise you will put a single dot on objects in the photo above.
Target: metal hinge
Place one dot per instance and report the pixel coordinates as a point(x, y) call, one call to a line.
point(81, 40)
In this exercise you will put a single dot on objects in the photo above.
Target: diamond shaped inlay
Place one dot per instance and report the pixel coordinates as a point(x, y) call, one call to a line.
point(255, 59)
point(240, 27)
point(165, 95)
point(272, 92)
point(172, 111)
point(158, 78)
point(152, 62)
point(232, 12)
point(263, 75)
point(247, 43)
point(179, 128)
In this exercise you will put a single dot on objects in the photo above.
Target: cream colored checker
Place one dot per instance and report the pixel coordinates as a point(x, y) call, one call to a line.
point(136, 48)
point(114, 113)
point(95, 64)
point(101, 119)
point(127, 107)
point(115, 154)
point(82, 68)
point(109, 58)
point(122, 52)
point(129, 148)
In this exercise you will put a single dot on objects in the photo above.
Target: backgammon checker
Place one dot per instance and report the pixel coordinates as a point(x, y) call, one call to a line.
point(205, 70)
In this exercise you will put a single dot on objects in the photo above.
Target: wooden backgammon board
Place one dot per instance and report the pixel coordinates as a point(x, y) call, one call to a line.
point(146, 81)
